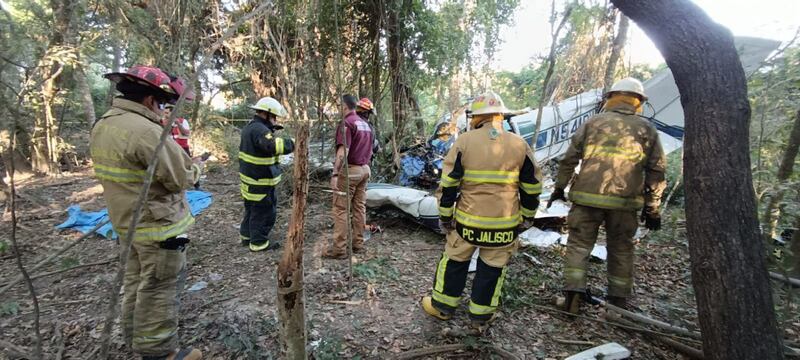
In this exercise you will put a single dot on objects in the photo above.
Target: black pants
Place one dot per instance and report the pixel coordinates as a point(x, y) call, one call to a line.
point(259, 218)
point(450, 281)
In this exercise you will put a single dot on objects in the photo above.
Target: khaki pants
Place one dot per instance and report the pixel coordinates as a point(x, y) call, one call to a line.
point(359, 177)
point(584, 223)
point(154, 278)
point(451, 277)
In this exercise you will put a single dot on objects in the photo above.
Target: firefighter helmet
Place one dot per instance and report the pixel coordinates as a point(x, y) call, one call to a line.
point(366, 105)
point(488, 103)
point(271, 106)
point(628, 85)
point(168, 86)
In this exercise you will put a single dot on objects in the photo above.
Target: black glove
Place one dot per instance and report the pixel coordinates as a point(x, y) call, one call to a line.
point(558, 194)
point(651, 218)
point(446, 226)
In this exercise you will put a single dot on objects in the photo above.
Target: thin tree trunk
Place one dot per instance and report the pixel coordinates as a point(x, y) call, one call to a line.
point(616, 52)
point(291, 297)
point(87, 104)
point(795, 248)
point(396, 52)
point(116, 65)
point(772, 212)
point(551, 63)
point(729, 274)
point(43, 144)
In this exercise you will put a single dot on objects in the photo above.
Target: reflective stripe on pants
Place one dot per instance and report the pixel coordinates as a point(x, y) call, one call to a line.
point(584, 223)
point(154, 278)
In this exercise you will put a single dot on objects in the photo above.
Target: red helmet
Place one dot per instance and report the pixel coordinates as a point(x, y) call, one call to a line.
point(154, 77)
point(366, 104)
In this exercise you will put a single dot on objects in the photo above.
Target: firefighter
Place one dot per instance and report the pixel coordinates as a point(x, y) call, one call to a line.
point(622, 170)
point(260, 172)
point(122, 145)
point(489, 191)
point(354, 141)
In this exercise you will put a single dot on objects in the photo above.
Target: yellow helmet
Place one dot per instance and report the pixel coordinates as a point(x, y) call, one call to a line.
point(271, 106)
point(488, 103)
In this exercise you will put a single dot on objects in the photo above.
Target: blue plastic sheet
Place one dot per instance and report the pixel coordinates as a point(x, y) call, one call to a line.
point(84, 221)
point(411, 166)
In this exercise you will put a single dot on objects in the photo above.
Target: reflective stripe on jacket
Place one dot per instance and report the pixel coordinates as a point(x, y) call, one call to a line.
point(622, 162)
point(122, 143)
point(259, 152)
point(489, 184)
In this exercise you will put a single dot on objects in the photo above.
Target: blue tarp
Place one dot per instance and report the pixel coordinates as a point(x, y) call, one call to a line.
point(84, 221)
point(411, 167)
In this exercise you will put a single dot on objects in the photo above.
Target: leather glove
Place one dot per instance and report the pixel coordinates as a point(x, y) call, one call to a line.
point(446, 226)
point(651, 218)
point(558, 194)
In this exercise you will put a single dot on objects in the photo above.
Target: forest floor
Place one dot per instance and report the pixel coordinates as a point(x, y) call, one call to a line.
point(377, 315)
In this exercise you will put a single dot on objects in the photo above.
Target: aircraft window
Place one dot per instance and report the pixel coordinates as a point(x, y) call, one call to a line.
point(507, 125)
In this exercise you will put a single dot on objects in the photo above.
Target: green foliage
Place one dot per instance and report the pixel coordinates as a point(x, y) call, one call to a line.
point(9, 308)
point(3, 247)
point(520, 89)
point(329, 348)
point(675, 174)
point(377, 269)
point(68, 262)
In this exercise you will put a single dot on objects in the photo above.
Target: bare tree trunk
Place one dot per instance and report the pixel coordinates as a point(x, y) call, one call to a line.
point(291, 297)
point(616, 52)
point(551, 63)
point(396, 53)
point(795, 249)
point(729, 272)
point(772, 212)
point(116, 64)
point(43, 145)
point(85, 92)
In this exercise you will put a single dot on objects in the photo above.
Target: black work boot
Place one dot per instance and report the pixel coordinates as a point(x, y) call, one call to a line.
point(572, 301)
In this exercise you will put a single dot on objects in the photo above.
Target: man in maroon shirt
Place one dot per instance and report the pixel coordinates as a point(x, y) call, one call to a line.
point(353, 143)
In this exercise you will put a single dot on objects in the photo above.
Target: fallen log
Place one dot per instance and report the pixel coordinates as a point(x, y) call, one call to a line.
point(650, 321)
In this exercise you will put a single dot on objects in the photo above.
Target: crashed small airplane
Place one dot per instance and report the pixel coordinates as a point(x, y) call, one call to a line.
point(421, 167)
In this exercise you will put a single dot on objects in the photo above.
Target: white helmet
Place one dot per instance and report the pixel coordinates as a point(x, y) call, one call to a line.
point(488, 103)
point(630, 85)
point(271, 106)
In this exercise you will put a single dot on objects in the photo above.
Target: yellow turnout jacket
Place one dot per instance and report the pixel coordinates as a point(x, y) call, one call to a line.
point(122, 143)
point(622, 162)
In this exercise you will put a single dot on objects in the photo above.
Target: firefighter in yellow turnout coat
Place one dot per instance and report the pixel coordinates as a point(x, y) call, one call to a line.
point(489, 185)
point(622, 170)
point(122, 144)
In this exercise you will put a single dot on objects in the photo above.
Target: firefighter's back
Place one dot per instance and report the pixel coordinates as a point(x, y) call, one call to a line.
point(615, 153)
point(492, 159)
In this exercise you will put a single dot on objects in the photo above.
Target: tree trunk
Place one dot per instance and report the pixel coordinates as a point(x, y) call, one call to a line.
point(291, 297)
point(396, 53)
point(551, 63)
point(729, 272)
point(772, 212)
point(616, 52)
point(376, 63)
point(116, 65)
point(43, 144)
point(794, 246)
point(87, 104)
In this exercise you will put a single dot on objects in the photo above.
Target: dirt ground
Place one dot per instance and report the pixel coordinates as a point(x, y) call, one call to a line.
point(375, 316)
